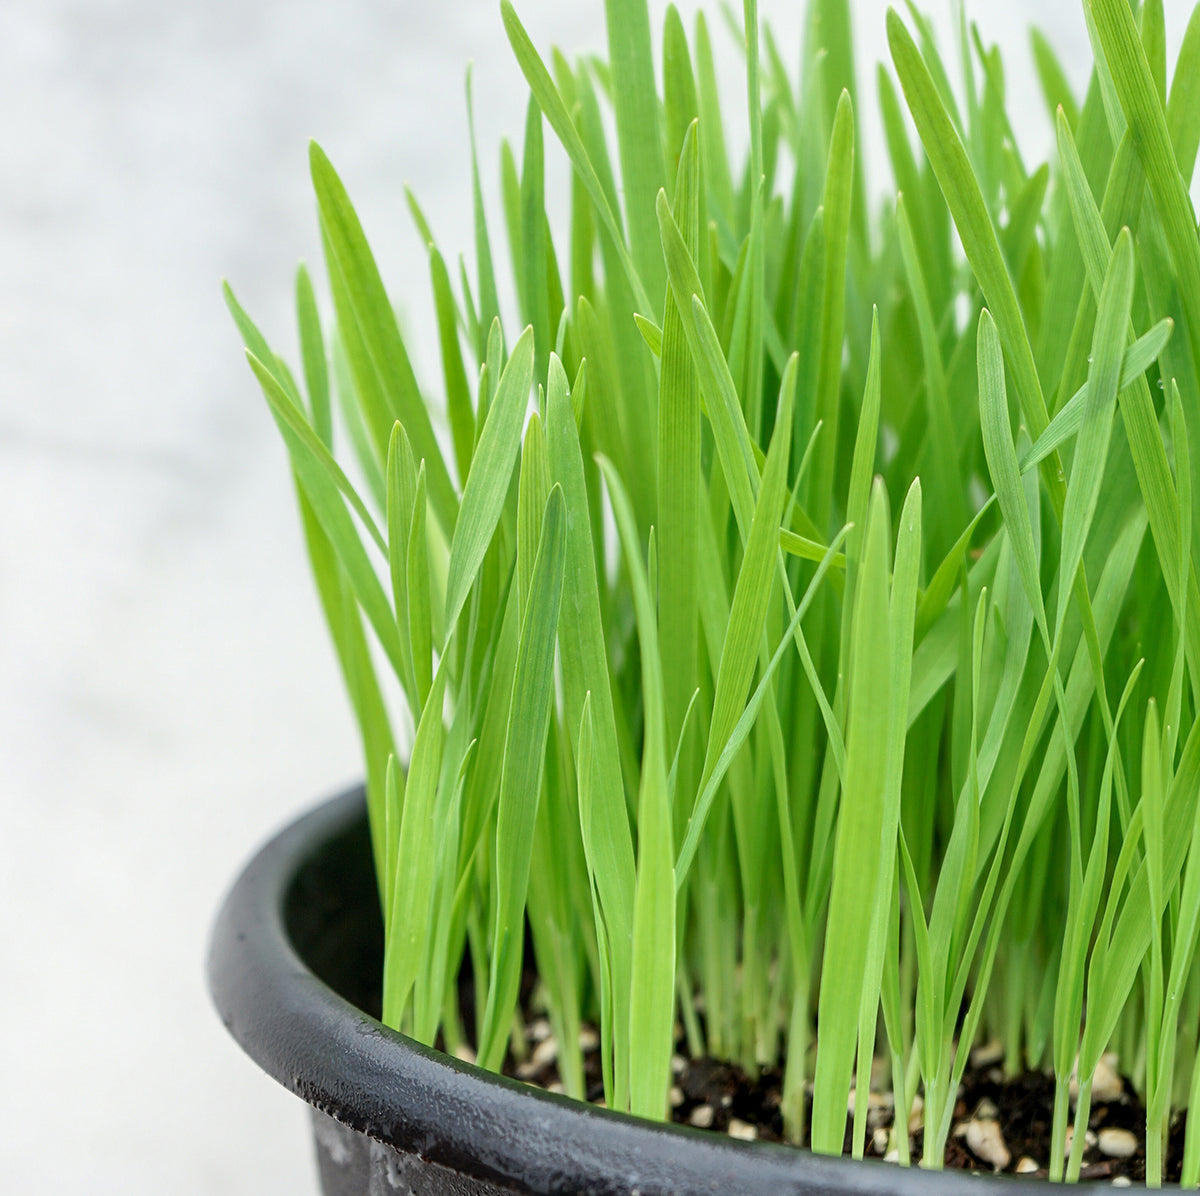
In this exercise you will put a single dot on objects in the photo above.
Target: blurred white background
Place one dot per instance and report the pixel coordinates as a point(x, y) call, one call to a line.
point(167, 697)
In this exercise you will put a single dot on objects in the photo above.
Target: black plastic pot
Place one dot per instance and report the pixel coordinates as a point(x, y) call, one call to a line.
point(296, 950)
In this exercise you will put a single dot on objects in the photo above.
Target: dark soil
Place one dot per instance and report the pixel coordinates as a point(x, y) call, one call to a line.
point(720, 1096)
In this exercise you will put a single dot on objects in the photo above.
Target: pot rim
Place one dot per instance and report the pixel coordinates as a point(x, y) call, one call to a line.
point(420, 1101)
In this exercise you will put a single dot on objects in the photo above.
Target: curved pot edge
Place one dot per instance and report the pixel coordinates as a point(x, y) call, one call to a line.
point(420, 1101)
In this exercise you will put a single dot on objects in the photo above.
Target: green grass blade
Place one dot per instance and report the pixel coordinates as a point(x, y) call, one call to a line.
point(362, 684)
point(752, 591)
point(639, 135)
point(376, 323)
point(717, 388)
point(412, 888)
point(1091, 450)
point(312, 351)
point(679, 470)
point(454, 373)
point(1183, 101)
point(836, 202)
point(1137, 359)
point(420, 606)
point(310, 445)
point(969, 210)
point(901, 617)
point(1002, 462)
point(524, 758)
point(328, 506)
point(581, 634)
point(536, 311)
point(555, 111)
point(745, 723)
point(652, 990)
point(401, 497)
point(489, 304)
point(488, 482)
point(533, 490)
point(1143, 109)
point(1056, 88)
point(856, 866)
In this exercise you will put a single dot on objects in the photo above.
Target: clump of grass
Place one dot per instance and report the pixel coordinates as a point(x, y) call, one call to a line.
point(686, 695)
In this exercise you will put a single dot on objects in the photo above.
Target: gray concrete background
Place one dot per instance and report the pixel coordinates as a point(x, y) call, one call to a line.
point(167, 697)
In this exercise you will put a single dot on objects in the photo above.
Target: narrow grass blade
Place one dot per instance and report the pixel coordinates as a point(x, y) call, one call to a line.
point(488, 482)
point(975, 229)
point(555, 111)
point(1091, 450)
point(524, 757)
point(752, 592)
point(312, 351)
point(679, 470)
point(639, 136)
point(376, 325)
point(412, 887)
point(327, 505)
point(652, 990)
point(1002, 461)
point(454, 373)
point(836, 202)
point(1137, 359)
point(856, 868)
point(1143, 109)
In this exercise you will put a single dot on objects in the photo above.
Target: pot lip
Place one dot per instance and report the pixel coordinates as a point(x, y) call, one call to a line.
point(378, 1082)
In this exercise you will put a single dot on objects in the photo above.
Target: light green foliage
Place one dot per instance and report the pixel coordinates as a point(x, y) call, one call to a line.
point(683, 699)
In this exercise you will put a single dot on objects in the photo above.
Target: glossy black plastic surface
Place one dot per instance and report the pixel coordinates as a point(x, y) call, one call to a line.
point(300, 932)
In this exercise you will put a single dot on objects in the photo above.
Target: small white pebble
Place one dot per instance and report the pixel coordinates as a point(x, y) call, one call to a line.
point(1089, 1140)
point(675, 1096)
point(742, 1129)
point(916, 1115)
point(726, 1100)
point(1107, 1084)
point(1026, 1166)
point(987, 1053)
point(678, 1064)
point(589, 1039)
point(960, 1130)
point(1122, 1181)
point(892, 1156)
point(545, 1052)
point(1117, 1143)
point(986, 1142)
point(464, 1053)
point(880, 1140)
point(986, 1110)
point(702, 1117)
point(555, 1086)
point(538, 1030)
